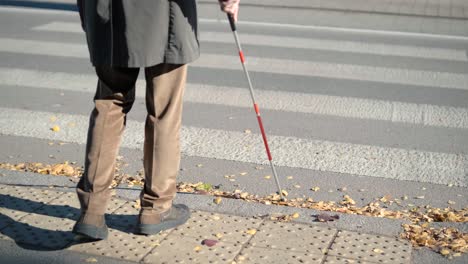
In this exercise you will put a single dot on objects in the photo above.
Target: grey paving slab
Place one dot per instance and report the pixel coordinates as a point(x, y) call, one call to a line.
point(312, 239)
point(338, 260)
point(222, 227)
point(185, 249)
point(16, 202)
point(121, 245)
point(12, 253)
point(256, 255)
point(372, 248)
point(42, 231)
point(125, 216)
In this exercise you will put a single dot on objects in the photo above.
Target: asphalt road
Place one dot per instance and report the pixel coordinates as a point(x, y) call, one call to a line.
point(376, 110)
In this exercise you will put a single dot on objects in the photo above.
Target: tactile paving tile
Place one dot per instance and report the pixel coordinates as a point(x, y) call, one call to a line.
point(122, 245)
point(183, 249)
point(16, 202)
point(370, 248)
point(311, 239)
point(205, 225)
point(50, 225)
point(338, 260)
point(125, 216)
point(255, 255)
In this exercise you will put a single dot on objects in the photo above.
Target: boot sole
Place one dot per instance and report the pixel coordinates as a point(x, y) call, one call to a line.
point(91, 231)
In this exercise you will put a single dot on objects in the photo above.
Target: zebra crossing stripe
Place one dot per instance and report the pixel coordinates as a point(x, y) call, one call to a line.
point(418, 114)
point(303, 43)
point(394, 163)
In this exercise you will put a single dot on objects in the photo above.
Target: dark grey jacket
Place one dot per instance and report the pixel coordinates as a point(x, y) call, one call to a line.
point(140, 33)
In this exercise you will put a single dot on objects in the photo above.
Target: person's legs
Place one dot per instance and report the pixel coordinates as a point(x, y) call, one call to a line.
point(164, 98)
point(114, 98)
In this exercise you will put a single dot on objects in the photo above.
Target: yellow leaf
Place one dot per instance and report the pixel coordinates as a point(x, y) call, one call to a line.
point(284, 192)
point(444, 252)
point(289, 177)
point(89, 260)
point(377, 250)
point(267, 177)
point(243, 173)
point(197, 248)
point(419, 197)
point(219, 235)
point(251, 231)
point(295, 215)
point(315, 189)
point(297, 186)
point(137, 204)
point(55, 128)
point(199, 165)
point(217, 200)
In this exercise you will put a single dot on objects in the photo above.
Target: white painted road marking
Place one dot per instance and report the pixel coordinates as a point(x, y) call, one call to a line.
point(394, 163)
point(419, 114)
point(304, 43)
point(268, 65)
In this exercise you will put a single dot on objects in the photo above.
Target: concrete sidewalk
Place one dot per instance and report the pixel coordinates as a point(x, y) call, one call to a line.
point(41, 219)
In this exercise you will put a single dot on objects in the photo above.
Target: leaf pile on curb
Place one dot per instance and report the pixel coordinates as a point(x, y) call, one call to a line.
point(59, 169)
point(448, 241)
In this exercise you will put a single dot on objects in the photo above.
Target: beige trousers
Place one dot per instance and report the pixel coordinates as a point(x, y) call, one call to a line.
point(165, 84)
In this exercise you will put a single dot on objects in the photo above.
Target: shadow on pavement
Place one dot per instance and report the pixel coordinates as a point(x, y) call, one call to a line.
point(28, 235)
point(42, 5)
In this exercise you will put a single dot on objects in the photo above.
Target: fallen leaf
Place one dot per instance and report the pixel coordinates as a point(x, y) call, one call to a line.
point(219, 235)
point(444, 252)
point(209, 242)
point(347, 200)
point(343, 189)
point(419, 197)
point(243, 173)
point(326, 217)
point(289, 177)
point(251, 231)
point(267, 177)
point(295, 215)
point(217, 200)
point(55, 128)
point(284, 192)
point(297, 186)
point(199, 165)
point(137, 204)
point(315, 189)
point(377, 250)
point(451, 202)
point(90, 260)
point(247, 131)
point(197, 248)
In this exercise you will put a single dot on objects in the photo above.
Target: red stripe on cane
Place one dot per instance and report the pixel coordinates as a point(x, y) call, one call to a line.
point(257, 110)
point(264, 137)
point(241, 55)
